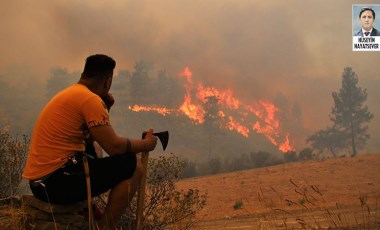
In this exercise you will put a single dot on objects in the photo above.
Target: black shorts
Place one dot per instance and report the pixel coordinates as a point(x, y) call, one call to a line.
point(67, 185)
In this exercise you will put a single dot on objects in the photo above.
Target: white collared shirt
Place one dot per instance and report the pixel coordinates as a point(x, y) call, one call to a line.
point(363, 31)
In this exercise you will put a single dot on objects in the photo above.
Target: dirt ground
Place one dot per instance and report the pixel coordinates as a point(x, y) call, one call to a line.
point(335, 193)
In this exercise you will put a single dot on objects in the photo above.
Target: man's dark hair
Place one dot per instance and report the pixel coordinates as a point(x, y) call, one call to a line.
point(365, 9)
point(98, 66)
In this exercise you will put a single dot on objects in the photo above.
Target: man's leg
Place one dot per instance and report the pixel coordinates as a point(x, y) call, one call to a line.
point(120, 198)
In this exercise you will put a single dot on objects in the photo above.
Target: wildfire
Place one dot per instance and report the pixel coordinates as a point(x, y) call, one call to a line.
point(187, 74)
point(285, 147)
point(234, 114)
point(161, 110)
point(233, 125)
point(193, 111)
point(225, 98)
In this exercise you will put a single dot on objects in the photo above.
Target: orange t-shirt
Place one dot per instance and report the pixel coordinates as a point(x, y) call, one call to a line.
point(61, 129)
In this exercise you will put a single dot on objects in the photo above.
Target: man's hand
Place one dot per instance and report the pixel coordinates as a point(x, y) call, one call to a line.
point(109, 100)
point(150, 140)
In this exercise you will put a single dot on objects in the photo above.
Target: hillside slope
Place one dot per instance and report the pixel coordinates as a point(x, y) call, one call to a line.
point(340, 181)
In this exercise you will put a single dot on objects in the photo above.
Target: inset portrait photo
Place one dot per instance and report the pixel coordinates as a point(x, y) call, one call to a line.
point(366, 27)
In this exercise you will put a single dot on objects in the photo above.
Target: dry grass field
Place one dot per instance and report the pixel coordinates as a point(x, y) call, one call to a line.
point(333, 193)
point(338, 193)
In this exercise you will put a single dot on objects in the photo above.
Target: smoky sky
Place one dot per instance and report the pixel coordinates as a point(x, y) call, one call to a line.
point(258, 49)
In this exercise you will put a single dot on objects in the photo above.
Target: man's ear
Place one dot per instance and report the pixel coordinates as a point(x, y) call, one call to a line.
point(107, 83)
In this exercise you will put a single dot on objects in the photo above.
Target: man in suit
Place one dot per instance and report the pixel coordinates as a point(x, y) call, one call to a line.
point(367, 17)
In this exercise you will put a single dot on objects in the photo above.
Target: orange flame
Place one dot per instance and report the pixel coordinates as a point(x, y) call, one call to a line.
point(161, 110)
point(286, 147)
point(191, 110)
point(267, 131)
point(194, 112)
point(265, 112)
point(188, 74)
point(233, 125)
point(225, 98)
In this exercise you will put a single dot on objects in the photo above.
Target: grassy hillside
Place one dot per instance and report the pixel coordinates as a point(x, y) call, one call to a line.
point(280, 193)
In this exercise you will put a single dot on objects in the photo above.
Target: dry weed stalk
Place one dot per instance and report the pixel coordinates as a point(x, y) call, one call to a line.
point(12, 215)
point(310, 210)
point(12, 158)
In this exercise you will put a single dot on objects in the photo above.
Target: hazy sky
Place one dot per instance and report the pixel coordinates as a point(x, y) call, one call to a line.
point(259, 49)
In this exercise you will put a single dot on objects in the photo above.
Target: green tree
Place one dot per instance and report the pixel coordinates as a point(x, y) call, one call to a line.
point(329, 138)
point(305, 154)
point(121, 88)
point(166, 90)
point(349, 116)
point(59, 79)
point(141, 82)
point(349, 113)
point(261, 159)
point(4, 95)
point(190, 169)
point(209, 166)
point(212, 121)
point(290, 156)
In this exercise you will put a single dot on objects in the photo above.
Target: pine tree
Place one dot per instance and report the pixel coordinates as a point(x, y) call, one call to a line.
point(141, 82)
point(349, 113)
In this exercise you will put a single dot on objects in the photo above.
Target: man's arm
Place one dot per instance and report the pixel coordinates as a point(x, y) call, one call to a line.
point(114, 144)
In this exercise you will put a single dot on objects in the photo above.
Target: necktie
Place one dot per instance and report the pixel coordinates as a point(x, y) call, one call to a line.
point(366, 33)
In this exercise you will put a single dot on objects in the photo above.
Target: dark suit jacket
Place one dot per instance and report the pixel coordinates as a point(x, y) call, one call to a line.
point(374, 32)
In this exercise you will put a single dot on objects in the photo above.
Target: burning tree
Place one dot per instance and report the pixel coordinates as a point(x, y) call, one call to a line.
point(349, 116)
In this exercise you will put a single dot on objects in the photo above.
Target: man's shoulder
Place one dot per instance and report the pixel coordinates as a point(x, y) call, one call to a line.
point(78, 88)
point(74, 95)
point(79, 92)
point(375, 32)
point(359, 33)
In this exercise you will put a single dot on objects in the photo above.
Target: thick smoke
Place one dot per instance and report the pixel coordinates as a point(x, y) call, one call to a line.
point(258, 49)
